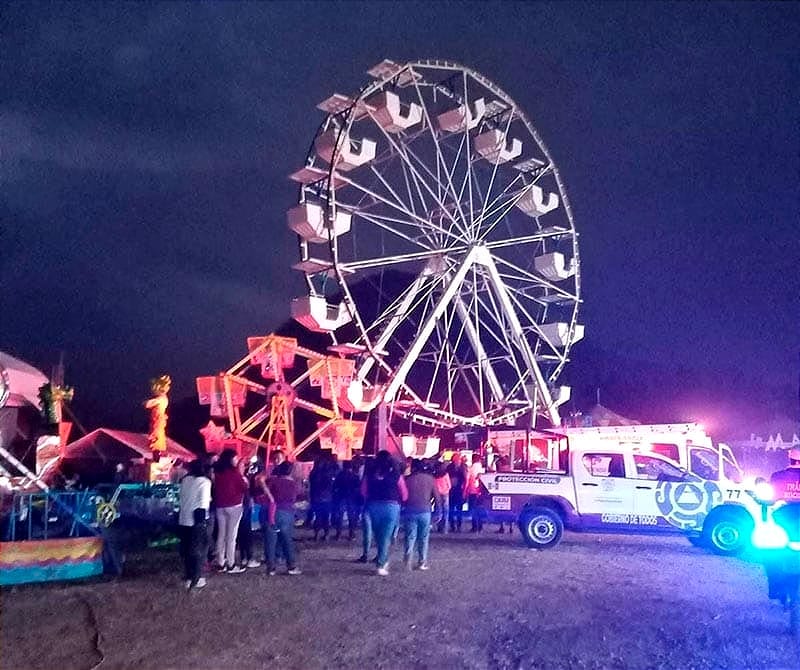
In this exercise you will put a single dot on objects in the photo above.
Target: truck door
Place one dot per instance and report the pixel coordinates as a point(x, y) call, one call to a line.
point(650, 472)
point(604, 495)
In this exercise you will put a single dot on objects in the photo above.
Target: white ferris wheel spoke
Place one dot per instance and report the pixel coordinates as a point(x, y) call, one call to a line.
point(518, 336)
point(386, 261)
point(477, 348)
point(401, 371)
point(468, 162)
point(396, 147)
point(499, 203)
point(503, 207)
point(454, 367)
point(535, 326)
point(512, 351)
point(405, 304)
point(439, 158)
point(372, 194)
point(511, 113)
point(494, 312)
point(536, 280)
point(443, 207)
point(543, 234)
point(407, 297)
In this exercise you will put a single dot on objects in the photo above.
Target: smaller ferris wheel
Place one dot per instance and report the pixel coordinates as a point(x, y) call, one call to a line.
point(438, 248)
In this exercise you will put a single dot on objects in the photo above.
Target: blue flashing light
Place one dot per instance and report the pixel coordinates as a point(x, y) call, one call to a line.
point(770, 536)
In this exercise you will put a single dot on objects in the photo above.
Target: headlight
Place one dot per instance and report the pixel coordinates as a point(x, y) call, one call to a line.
point(770, 536)
point(763, 492)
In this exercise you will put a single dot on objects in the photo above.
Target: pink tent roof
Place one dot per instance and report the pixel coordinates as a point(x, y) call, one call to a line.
point(119, 446)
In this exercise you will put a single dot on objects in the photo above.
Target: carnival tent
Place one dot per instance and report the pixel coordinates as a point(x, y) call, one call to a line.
point(119, 446)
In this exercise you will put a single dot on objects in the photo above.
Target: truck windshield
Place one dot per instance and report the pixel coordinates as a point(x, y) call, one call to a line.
point(704, 462)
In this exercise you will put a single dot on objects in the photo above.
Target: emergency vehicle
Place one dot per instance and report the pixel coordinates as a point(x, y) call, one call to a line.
point(631, 479)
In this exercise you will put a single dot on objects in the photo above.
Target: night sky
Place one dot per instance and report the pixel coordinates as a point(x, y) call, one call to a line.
point(145, 149)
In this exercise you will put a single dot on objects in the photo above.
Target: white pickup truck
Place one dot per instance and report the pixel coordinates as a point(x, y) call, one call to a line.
point(605, 485)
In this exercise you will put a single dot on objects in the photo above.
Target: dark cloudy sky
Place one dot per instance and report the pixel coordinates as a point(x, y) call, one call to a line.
point(144, 150)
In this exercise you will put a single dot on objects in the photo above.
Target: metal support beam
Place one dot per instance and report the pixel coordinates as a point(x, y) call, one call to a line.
point(518, 336)
point(425, 332)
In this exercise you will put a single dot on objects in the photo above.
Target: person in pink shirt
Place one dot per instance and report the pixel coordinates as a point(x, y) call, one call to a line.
point(229, 489)
point(442, 486)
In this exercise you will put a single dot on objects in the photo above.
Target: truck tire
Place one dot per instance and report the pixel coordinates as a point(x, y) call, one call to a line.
point(541, 527)
point(727, 532)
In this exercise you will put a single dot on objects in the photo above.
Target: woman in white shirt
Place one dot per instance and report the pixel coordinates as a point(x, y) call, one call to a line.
point(195, 499)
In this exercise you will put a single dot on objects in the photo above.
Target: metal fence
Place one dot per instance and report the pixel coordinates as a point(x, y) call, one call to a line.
point(51, 514)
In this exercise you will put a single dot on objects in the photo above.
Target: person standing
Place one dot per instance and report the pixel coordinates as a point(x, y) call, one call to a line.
point(786, 487)
point(282, 489)
point(262, 496)
point(346, 500)
point(442, 497)
point(276, 459)
point(417, 514)
point(458, 485)
point(194, 503)
point(244, 537)
point(503, 464)
point(320, 484)
point(384, 489)
point(473, 490)
point(229, 489)
point(364, 470)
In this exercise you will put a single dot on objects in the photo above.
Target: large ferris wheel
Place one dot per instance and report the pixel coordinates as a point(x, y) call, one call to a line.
point(438, 248)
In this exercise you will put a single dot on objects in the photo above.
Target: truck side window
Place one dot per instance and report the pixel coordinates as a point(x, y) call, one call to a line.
point(703, 463)
point(604, 465)
point(655, 469)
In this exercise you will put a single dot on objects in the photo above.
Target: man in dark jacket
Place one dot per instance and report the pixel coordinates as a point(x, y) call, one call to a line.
point(346, 500)
point(458, 483)
point(320, 493)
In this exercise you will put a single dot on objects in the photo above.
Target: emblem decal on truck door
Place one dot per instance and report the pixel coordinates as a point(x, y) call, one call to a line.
point(686, 504)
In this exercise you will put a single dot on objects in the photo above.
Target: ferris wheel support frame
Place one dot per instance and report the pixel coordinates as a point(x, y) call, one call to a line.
point(479, 255)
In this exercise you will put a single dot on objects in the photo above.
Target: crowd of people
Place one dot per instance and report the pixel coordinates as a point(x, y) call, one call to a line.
point(378, 495)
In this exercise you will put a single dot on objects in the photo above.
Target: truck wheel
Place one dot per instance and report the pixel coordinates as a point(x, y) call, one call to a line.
point(541, 527)
point(728, 533)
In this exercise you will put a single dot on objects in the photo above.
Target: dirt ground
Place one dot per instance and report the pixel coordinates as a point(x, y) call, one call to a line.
point(596, 601)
